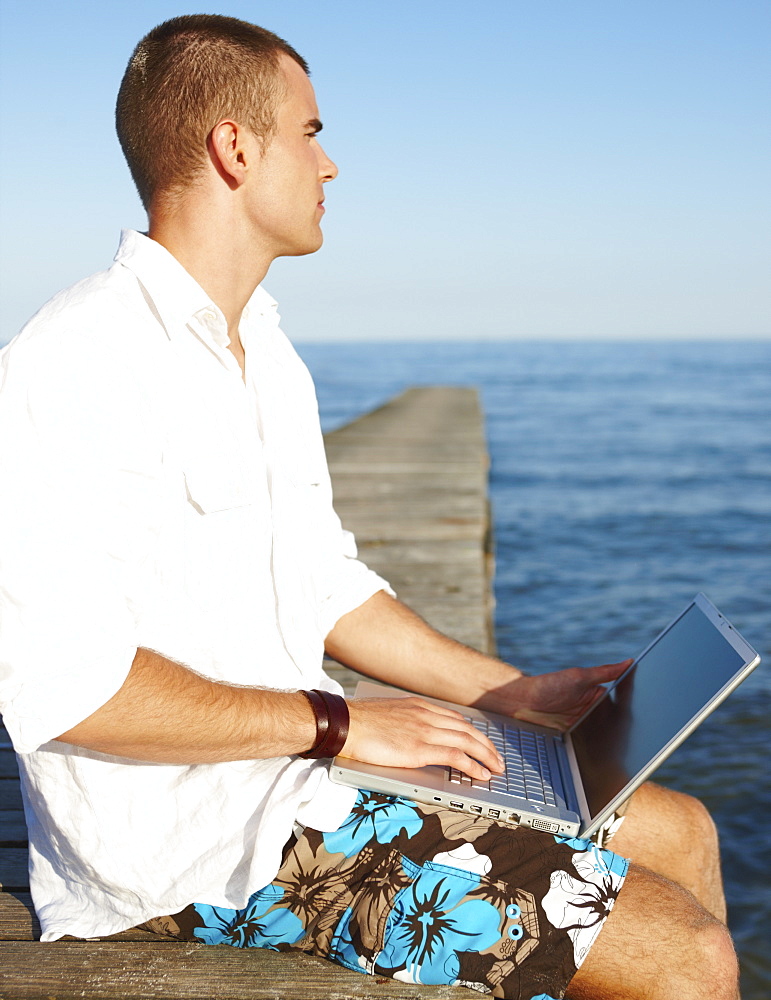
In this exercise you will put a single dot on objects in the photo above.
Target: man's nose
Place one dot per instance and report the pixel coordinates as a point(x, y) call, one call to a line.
point(327, 168)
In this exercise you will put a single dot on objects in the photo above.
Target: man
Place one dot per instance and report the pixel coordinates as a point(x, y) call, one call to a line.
point(173, 570)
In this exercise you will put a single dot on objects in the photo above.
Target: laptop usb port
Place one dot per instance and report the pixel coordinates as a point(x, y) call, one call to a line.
point(475, 809)
point(494, 813)
point(456, 805)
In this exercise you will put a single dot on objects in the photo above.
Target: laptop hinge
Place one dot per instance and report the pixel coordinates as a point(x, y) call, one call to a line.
point(566, 774)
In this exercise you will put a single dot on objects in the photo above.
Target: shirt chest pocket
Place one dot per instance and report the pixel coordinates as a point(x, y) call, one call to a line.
point(226, 530)
point(222, 468)
point(216, 485)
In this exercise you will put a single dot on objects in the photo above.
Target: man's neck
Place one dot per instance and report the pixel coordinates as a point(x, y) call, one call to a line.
point(227, 267)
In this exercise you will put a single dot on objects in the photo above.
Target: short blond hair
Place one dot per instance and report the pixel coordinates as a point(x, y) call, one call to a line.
point(183, 78)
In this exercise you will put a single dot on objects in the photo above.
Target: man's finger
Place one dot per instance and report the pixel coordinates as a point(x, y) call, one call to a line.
point(608, 671)
point(472, 767)
point(455, 731)
point(474, 744)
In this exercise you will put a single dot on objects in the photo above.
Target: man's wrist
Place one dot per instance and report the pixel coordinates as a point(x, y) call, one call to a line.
point(332, 722)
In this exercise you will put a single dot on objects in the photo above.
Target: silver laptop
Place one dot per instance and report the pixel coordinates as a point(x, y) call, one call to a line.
point(570, 783)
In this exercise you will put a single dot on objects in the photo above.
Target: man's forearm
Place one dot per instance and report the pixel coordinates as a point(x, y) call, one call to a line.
point(165, 713)
point(385, 640)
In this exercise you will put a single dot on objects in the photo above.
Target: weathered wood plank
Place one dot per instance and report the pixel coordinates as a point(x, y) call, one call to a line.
point(8, 766)
point(17, 918)
point(410, 481)
point(19, 923)
point(13, 868)
point(13, 829)
point(10, 794)
point(110, 970)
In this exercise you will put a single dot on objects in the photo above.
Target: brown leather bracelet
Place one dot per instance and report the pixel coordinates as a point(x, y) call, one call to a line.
point(321, 713)
point(339, 721)
point(332, 720)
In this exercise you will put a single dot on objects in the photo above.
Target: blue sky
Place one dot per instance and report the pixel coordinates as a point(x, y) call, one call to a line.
point(507, 169)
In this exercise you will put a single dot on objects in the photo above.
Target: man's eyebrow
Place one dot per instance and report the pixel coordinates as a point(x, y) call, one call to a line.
point(313, 124)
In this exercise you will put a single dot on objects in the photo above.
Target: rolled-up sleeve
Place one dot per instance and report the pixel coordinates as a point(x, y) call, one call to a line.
point(349, 583)
point(79, 477)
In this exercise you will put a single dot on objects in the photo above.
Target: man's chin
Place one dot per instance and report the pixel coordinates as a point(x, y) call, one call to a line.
point(305, 248)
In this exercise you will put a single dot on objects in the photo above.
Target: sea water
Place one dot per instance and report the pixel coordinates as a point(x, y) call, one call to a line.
point(625, 477)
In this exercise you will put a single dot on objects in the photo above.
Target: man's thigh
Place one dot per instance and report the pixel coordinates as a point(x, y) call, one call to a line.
point(430, 895)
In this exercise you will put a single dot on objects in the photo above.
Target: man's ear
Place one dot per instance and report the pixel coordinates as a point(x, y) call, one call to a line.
point(230, 151)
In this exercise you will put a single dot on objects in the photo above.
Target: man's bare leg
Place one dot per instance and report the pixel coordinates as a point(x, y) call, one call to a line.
point(674, 835)
point(658, 944)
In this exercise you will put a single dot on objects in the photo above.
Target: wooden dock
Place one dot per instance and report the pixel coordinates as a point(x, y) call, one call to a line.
point(411, 482)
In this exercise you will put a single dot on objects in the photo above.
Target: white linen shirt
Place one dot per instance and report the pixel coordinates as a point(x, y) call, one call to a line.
point(152, 497)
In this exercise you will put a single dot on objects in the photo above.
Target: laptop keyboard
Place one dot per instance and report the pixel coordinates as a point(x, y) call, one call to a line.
point(528, 774)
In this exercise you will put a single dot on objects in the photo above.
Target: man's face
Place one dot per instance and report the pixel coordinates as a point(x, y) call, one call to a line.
point(286, 188)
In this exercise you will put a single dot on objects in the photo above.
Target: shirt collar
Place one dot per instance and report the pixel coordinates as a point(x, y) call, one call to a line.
point(177, 297)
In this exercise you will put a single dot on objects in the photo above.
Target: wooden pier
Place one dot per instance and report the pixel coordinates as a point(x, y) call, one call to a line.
point(411, 482)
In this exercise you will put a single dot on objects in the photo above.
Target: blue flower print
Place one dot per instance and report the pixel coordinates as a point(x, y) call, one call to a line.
point(245, 928)
point(373, 816)
point(429, 925)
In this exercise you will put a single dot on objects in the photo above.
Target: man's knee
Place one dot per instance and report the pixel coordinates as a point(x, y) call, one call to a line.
point(658, 943)
point(689, 811)
point(721, 968)
point(656, 812)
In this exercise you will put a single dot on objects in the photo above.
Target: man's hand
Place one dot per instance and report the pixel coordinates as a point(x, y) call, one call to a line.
point(555, 699)
point(410, 732)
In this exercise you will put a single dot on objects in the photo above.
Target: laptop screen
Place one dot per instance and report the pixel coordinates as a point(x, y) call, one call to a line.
point(659, 696)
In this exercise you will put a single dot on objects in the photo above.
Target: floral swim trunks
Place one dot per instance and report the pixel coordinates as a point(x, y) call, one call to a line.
point(428, 895)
